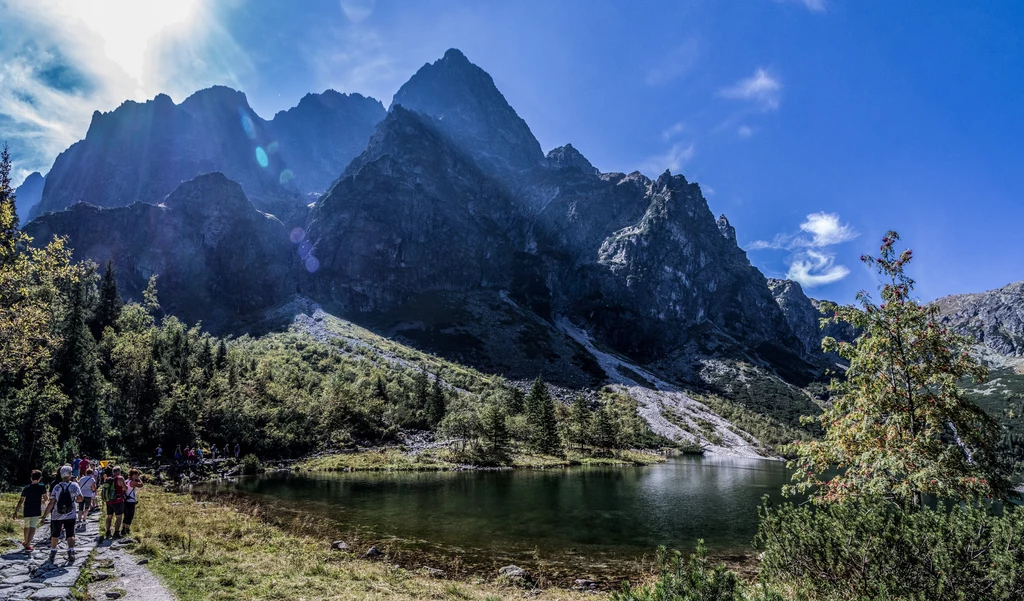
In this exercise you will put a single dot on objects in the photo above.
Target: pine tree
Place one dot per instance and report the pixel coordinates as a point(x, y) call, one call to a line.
point(900, 424)
point(495, 431)
point(436, 403)
point(222, 355)
point(603, 428)
point(421, 389)
point(9, 233)
point(540, 411)
point(578, 428)
point(109, 308)
point(76, 364)
point(516, 401)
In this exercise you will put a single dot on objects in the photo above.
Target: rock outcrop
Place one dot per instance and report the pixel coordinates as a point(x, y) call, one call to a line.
point(216, 257)
point(994, 318)
point(801, 312)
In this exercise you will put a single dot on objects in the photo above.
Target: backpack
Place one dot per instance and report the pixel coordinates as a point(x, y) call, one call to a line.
point(65, 502)
point(107, 491)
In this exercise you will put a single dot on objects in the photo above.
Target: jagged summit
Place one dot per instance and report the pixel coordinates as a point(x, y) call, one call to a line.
point(469, 108)
point(567, 157)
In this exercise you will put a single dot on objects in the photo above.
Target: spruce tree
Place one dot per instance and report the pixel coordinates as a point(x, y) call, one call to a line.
point(222, 355)
point(495, 431)
point(421, 389)
point(578, 428)
point(540, 411)
point(109, 308)
point(603, 428)
point(76, 364)
point(436, 404)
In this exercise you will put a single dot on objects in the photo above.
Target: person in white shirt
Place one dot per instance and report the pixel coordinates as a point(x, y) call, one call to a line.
point(88, 485)
point(63, 511)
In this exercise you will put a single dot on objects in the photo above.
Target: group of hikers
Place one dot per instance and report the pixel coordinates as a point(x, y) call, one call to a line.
point(81, 490)
point(194, 455)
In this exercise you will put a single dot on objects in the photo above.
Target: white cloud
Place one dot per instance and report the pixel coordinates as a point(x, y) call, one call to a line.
point(680, 61)
point(60, 61)
point(674, 159)
point(357, 10)
point(761, 88)
point(827, 230)
point(817, 6)
point(672, 131)
point(812, 262)
point(744, 131)
point(813, 268)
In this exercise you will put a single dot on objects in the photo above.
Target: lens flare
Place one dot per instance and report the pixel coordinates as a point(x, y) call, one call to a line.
point(247, 124)
point(286, 176)
point(298, 235)
point(305, 249)
point(272, 148)
point(312, 264)
point(261, 157)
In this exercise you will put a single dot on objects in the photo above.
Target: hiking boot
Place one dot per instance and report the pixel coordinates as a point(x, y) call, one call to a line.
point(117, 534)
point(71, 556)
point(53, 555)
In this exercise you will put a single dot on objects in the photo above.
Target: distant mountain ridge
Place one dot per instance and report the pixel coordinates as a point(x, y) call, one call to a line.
point(28, 194)
point(142, 151)
point(994, 318)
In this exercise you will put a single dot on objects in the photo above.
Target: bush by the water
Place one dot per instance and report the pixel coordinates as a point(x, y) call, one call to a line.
point(696, 578)
point(876, 550)
point(251, 465)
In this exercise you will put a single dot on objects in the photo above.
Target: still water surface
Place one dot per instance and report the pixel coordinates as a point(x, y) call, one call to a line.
point(600, 516)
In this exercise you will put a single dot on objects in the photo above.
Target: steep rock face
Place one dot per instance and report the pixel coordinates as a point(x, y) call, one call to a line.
point(672, 274)
point(994, 318)
point(568, 158)
point(412, 214)
point(801, 313)
point(28, 194)
point(142, 151)
point(216, 257)
point(470, 110)
point(321, 135)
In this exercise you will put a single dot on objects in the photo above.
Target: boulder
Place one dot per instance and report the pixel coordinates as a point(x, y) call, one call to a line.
point(340, 545)
point(372, 553)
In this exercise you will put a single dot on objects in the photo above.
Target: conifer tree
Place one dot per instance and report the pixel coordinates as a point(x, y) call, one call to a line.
point(76, 364)
point(436, 404)
point(900, 425)
point(603, 428)
point(495, 430)
point(540, 411)
point(222, 355)
point(109, 308)
point(578, 427)
point(421, 389)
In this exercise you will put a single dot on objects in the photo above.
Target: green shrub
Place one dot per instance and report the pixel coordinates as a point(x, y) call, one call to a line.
point(696, 579)
point(251, 464)
point(875, 550)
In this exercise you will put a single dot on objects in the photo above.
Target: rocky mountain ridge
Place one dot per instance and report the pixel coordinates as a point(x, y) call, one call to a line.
point(142, 151)
point(994, 318)
point(27, 195)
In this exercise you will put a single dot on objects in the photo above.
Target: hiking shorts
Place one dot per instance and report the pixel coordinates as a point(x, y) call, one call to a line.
point(68, 526)
point(85, 503)
point(32, 522)
point(115, 508)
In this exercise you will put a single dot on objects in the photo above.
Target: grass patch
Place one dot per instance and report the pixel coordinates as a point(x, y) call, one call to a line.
point(392, 460)
point(9, 527)
point(217, 552)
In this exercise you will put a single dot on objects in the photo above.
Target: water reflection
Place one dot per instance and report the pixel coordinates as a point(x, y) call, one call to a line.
point(615, 512)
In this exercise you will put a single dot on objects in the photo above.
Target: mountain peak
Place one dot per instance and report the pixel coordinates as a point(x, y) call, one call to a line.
point(567, 157)
point(468, 108)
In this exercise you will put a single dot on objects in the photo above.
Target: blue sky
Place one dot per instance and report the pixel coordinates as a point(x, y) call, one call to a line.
point(814, 125)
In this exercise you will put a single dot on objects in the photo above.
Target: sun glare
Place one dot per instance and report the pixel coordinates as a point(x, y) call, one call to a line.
point(127, 26)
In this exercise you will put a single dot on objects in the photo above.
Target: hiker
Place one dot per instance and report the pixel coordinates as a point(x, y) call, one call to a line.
point(159, 452)
point(213, 452)
point(199, 454)
point(131, 499)
point(32, 498)
point(191, 456)
point(177, 455)
point(74, 467)
point(88, 485)
point(113, 492)
point(62, 512)
point(238, 450)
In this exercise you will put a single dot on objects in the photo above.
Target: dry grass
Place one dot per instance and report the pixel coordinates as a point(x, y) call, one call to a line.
point(214, 551)
point(443, 459)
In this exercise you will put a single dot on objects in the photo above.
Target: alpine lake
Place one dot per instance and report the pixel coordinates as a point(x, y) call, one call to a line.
point(592, 522)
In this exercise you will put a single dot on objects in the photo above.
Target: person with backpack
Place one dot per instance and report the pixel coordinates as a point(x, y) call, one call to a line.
point(74, 466)
point(88, 485)
point(32, 498)
point(238, 450)
point(112, 494)
point(62, 512)
point(131, 499)
point(177, 455)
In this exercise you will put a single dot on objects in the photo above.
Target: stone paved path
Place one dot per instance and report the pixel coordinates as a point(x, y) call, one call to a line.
point(33, 577)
